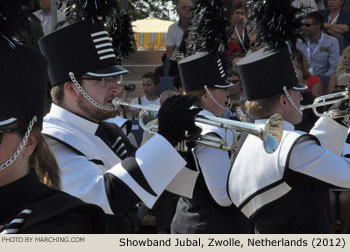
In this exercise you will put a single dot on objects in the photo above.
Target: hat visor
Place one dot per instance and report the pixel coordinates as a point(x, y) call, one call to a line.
point(224, 85)
point(108, 71)
point(300, 87)
point(6, 121)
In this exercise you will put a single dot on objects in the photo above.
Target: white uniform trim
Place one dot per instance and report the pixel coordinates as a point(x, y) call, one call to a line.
point(101, 39)
point(184, 182)
point(322, 130)
point(159, 163)
point(10, 231)
point(107, 74)
point(264, 198)
point(158, 160)
point(107, 56)
point(103, 45)
point(105, 50)
point(17, 221)
point(99, 33)
point(254, 170)
point(8, 121)
point(252, 173)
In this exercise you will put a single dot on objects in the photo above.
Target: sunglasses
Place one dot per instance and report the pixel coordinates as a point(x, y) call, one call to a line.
point(308, 25)
point(339, 86)
point(8, 130)
point(106, 81)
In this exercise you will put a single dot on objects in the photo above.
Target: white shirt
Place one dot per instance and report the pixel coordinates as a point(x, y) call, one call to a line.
point(174, 35)
point(145, 101)
point(46, 20)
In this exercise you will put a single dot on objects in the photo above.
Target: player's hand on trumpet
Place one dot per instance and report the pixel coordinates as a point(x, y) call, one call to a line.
point(176, 116)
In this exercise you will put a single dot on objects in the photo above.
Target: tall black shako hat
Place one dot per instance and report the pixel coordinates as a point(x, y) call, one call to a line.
point(202, 69)
point(264, 73)
point(23, 83)
point(82, 48)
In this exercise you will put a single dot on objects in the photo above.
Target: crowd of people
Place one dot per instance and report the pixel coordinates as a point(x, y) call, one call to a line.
point(78, 169)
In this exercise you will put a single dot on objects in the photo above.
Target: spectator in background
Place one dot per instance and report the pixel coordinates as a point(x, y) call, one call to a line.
point(337, 22)
point(234, 93)
point(341, 83)
point(183, 49)
point(236, 109)
point(176, 30)
point(344, 62)
point(343, 68)
point(44, 15)
point(320, 49)
point(314, 84)
point(150, 84)
point(239, 34)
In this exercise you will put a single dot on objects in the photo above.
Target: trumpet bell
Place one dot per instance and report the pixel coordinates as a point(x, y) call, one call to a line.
point(341, 99)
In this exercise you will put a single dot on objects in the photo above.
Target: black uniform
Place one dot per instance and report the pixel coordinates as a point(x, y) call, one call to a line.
point(202, 215)
point(53, 211)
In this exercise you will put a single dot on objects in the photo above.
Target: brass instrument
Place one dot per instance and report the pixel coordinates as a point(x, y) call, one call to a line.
point(331, 99)
point(270, 133)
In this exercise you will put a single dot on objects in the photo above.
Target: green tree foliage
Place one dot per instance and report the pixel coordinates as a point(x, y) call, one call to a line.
point(140, 9)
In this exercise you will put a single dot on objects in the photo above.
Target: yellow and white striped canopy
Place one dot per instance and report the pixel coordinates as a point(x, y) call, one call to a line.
point(150, 33)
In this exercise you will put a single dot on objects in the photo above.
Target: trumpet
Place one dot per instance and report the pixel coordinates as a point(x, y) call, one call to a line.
point(270, 133)
point(340, 98)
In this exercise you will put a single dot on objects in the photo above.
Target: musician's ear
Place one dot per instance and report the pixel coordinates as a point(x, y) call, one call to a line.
point(70, 89)
point(283, 101)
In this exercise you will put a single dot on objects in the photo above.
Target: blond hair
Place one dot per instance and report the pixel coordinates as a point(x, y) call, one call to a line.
point(340, 66)
point(262, 108)
point(44, 162)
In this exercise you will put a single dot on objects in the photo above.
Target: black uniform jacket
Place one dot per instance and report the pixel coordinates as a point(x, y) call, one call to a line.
point(53, 211)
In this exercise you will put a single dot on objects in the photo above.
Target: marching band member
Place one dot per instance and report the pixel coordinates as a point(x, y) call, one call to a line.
point(202, 76)
point(28, 205)
point(97, 161)
point(285, 191)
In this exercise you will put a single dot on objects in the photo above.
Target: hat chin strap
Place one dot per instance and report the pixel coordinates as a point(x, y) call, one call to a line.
point(12, 159)
point(213, 98)
point(89, 98)
point(290, 99)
